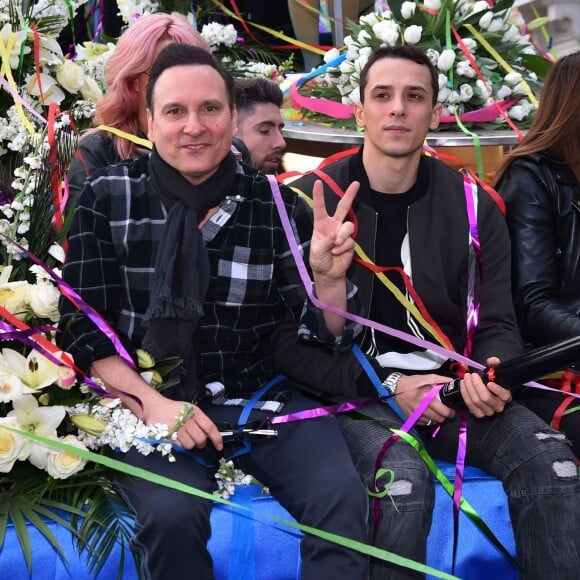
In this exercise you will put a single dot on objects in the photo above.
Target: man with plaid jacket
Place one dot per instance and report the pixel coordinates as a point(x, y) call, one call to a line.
point(184, 254)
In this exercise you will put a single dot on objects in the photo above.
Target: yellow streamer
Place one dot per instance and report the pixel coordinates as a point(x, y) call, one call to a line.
point(406, 303)
point(137, 140)
point(5, 51)
point(273, 33)
point(501, 61)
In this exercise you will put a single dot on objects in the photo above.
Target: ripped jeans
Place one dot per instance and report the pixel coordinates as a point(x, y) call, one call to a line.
point(535, 464)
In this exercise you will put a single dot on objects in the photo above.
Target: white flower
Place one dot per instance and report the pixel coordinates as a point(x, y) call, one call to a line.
point(91, 90)
point(363, 37)
point(470, 44)
point(432, 55)
point(485, 20)
point(412, 34)
point(496, 25)
point(518, 112)
point(479, 6)
point(513, 78)
point(13, 447)
point(369, 19)
point(442, 81)
point(14, 297)
point(484, 88)
point(443, 94)
point(57, 252)
point(51, 92)
point(503, 92)
point(446, 60)
point(408, 9)
point(43, 299)
point(432, 4)
point(18, 38)
point(331, 55)
point(35, 371)
point(465, 92)
point(63, 464)
point(464, 69)
point(387, 31)
point(216, 34)
point(41, 421)
point(70, 76)
point(510, 34)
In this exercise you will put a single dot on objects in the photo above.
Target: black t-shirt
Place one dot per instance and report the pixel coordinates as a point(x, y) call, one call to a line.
point(392, 210)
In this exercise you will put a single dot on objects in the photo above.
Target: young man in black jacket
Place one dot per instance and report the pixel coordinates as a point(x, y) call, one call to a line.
point(443, 240)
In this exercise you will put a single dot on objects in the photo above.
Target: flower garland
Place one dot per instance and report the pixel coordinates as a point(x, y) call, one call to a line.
point(482, 53)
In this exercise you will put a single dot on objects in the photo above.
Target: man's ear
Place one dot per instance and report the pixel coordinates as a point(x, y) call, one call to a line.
point(359, 114)
point(435, 116)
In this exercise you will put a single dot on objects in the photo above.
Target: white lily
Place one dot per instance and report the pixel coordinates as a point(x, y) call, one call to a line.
point(41, 421)
point(35, 371)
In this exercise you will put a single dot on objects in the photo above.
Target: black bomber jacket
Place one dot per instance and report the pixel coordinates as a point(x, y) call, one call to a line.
point(543, 213)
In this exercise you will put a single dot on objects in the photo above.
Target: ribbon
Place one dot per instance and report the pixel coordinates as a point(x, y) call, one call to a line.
point(121, 467)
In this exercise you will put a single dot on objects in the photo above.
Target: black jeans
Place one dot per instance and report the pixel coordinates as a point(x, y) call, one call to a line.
point(307, 468)
point(534, 463)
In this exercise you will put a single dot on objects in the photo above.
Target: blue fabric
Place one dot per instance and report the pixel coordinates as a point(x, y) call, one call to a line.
point(244, 549)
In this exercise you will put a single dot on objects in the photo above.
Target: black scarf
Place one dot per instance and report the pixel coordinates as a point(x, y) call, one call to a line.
point(182, 265)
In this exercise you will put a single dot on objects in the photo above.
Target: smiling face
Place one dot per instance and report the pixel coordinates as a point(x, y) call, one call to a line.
point(398, 108)
point(191, 122)
point(260, 128)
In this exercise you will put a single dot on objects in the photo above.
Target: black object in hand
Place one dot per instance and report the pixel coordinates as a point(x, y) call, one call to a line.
point(528, 366)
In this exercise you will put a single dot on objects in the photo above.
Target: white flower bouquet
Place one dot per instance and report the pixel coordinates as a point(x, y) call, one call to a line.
point(482, 52)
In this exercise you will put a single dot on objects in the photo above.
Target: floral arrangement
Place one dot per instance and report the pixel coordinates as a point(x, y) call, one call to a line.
point(482, 52)
point(238, 55)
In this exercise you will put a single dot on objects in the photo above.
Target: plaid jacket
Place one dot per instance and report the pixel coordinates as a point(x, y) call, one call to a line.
point(113, 242)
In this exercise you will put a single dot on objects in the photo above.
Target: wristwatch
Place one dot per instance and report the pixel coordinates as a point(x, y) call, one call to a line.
point(390, 383)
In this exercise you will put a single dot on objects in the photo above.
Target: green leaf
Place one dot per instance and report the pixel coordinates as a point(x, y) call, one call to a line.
point(22, 534)
point(536, 63)
point(538, 23)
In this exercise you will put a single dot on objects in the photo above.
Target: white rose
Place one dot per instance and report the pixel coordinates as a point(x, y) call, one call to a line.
point(63, 464)
point(354, 96)
point(465, 92)
point(503, 92)
point(91, 90)
point(70, 76)
point(442, 81)
point(446, 60)
point(518, 113)
point(408, 9)
point(484, 88)
point(369, 19)
point(43, 300)
point(496, 25)
point(513, 78)
point(432, 4)
point(485, 20)
point(387, 31)
point(443, 94)
point(470, 44)
point(464, 69)
point(331, 55)
point(412, 34)
point(510, 34)
point(479, 6)
point(13, 447)
point(432, 55)
point(14, 297)
point(363, 38)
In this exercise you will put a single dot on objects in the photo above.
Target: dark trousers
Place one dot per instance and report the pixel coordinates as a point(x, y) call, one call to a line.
point(307, 468)
point(534, 463)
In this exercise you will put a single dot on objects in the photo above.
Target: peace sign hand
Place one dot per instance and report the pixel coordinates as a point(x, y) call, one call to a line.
point(332, 246)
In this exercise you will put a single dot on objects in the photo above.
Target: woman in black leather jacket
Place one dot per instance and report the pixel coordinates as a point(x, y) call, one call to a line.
point(540, 182)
